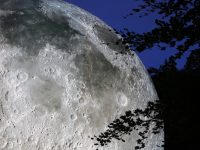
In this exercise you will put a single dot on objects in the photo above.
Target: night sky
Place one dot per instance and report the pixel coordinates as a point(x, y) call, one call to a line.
point(112, 12)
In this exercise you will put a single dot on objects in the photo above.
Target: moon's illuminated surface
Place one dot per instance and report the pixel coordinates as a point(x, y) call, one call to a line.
point(60, 83)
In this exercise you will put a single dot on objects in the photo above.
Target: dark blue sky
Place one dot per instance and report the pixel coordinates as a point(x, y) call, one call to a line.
point(112, 12)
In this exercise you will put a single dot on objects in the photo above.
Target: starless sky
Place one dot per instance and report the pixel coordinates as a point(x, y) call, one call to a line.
point(112, 12)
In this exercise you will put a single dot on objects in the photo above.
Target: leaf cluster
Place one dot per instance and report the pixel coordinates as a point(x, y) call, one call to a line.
point(147, 121)
point(179, 27)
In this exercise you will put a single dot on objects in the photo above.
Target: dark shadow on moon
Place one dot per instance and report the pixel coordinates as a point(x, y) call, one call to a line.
point(112, 40)
point(134, 120)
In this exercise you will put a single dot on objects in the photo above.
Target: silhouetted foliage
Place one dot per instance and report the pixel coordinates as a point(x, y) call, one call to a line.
point(149, 120)
point(193, 62)
point(179, 26)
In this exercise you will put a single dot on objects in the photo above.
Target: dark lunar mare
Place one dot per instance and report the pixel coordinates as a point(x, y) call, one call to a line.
point(16, 5)
point(28, 28)
point(97, 72)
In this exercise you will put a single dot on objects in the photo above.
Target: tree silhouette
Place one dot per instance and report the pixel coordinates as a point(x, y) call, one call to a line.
point(179, 26)
point(149, 120)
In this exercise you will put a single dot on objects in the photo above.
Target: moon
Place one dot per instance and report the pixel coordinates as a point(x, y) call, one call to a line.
point(63, 79)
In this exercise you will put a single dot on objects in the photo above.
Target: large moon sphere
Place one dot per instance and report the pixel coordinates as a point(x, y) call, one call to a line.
point(63, 79)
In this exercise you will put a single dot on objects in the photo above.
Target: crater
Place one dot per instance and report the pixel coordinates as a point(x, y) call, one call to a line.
point(84, 115)
point(81, 100)
point(73, 117)
point(22, 76)
point(80, 85)
point(9, 145)
point(3, 143)
point(122, 100)
point(50, 70)
point(31, 139)
point(78, 95)
point(70, 77)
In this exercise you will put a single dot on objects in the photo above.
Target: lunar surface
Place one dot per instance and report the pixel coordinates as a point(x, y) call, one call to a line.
point(63, 79)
